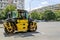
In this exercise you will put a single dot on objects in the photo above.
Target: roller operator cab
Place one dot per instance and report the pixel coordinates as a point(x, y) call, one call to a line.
point(19, 22)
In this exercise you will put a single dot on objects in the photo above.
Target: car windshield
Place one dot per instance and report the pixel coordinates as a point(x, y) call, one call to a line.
point(22, 15)
point(14, 14)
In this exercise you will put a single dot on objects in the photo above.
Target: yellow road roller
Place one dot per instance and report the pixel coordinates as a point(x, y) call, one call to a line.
point(19, 22)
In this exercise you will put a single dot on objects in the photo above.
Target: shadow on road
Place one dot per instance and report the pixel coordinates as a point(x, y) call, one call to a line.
point(18, 34)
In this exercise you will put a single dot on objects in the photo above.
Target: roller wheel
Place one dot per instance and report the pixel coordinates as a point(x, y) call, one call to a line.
point(33, 29)
point(9, 29)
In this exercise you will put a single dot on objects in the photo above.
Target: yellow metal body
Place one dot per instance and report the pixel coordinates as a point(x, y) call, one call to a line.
point(22, 25)
point(19, 25)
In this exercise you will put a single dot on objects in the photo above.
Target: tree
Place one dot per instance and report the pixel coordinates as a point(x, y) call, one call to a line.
point(10, 8)
point(6, 10)
point(2, 14)
point(41, 15)
point(35, 15)
point(49, 15)
point(57, 13)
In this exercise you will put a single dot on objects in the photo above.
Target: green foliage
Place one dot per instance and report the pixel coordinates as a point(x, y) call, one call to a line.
point(2, 14)
point(6, 10)
point(35, 15)
point(49, 15)
point(41, 16)
point(9, 8)
point(57, 13)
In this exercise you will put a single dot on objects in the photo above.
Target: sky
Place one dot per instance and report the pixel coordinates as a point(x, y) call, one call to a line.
point(34, 4)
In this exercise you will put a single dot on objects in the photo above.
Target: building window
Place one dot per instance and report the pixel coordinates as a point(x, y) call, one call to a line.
point(4, 4)
point(0, 0)
point(15, 0)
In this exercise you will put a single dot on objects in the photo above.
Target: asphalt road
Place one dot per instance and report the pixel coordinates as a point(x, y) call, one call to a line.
point(45, 31)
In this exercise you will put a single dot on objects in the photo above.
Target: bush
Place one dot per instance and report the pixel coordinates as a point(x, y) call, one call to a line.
point(57, 13)
point(35, 15)
point(3, 13)
point(49, 15)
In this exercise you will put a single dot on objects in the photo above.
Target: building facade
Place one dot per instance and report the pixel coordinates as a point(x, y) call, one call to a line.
point(3, 4)
point(10, 1)
point(18, 3)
